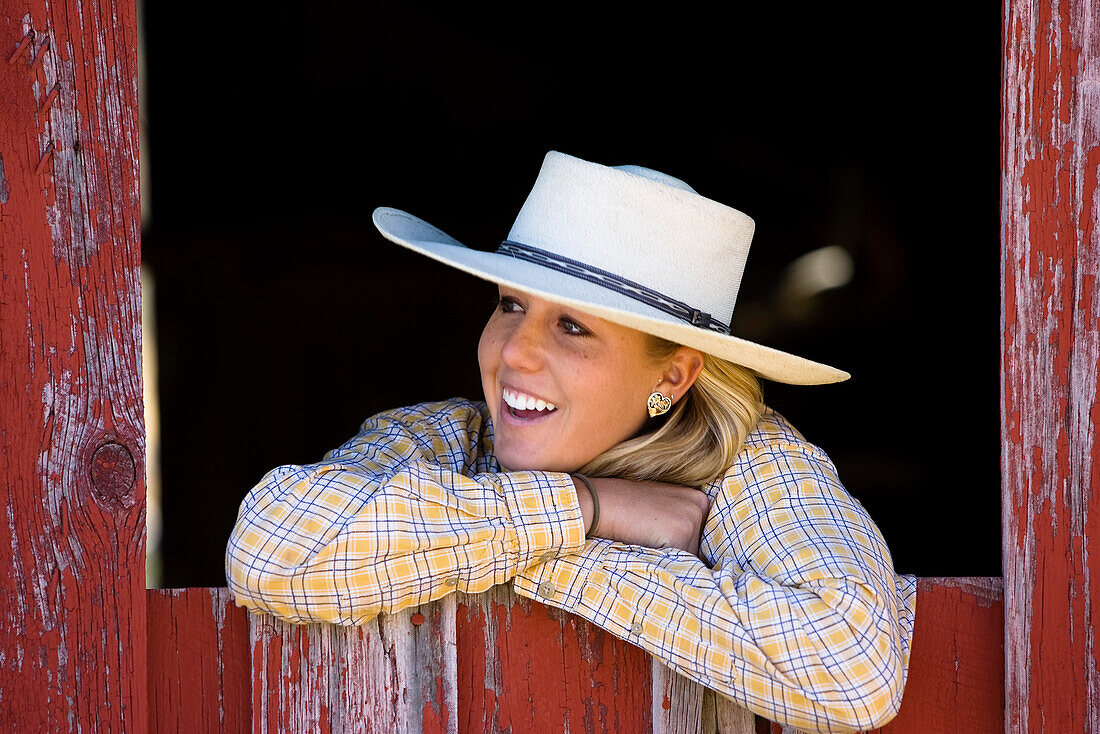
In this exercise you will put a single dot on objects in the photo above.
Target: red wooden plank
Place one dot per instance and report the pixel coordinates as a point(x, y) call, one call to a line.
point(199, 668)
point(956, 670)
point(523, 666)
point(513, 664)
point(71, 436)
point(394, 674)
point(1051, 338)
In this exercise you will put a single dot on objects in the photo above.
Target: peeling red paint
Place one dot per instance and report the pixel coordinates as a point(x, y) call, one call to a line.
point(75, 579)
point(386, 675)
point(435, 719)
point(73, 573)
point(1050, 315)
point(199, 669)
point(524, 666)
point(955, 678)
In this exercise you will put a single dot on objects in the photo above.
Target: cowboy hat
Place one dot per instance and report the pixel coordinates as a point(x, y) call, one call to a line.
point(628, 244)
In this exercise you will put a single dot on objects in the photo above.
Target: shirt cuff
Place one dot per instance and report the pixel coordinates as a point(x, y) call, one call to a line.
point(580, 583)
point(606, 584)
point(545, 513)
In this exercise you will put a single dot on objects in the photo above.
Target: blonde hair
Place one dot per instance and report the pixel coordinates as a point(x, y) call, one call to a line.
point(699, 438)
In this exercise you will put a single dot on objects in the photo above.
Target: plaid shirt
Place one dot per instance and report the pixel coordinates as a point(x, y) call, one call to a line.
point(794, 612)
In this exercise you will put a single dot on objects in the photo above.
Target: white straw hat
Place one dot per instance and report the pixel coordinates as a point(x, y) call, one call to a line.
point(627, 244)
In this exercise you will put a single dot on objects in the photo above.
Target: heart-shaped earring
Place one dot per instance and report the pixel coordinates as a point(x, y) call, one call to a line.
point(658, 404)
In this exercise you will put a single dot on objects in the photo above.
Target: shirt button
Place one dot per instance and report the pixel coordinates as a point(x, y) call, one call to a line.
point(636, 628)
point(450, 582)
point(546, 589)
point(547, 556)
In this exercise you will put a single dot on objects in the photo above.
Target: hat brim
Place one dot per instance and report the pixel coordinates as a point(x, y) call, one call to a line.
point(417, 235)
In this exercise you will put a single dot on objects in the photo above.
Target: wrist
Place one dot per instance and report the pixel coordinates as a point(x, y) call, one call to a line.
point(593, 518)
point(589, 503)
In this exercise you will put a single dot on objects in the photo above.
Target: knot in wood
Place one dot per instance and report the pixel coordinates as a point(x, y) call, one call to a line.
point(113, 472)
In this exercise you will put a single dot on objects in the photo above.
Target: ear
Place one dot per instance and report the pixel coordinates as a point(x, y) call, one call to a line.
point(684, 366)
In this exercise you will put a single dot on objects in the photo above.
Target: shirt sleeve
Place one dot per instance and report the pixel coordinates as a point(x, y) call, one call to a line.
point(797, 613)
point(402, 514)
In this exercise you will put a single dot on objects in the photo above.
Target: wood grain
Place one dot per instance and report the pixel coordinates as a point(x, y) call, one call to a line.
point(720, 715)
point(394, 674)
point(956, 667)
point(523, 666)
point(682, 706)
point(73, 459)
point(72, 575)
point(1050, 316)
point(199, 666)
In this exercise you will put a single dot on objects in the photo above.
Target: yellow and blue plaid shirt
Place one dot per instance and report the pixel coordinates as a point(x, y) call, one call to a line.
point(795, 610)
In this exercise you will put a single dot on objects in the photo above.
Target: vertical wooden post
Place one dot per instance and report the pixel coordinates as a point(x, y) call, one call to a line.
point(72, 575)
point(1050, 314)
point(524, 666)
point(395, 674)
point(200, 672)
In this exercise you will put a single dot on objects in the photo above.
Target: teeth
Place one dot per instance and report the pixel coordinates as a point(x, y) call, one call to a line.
point(521, 401)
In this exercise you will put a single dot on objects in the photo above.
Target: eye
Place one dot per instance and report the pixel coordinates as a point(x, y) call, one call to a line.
point(571, 327)
point(507, 304)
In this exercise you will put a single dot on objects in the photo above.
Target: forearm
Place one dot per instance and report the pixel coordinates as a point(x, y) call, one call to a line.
point(820, 657)
point(333, 543)
point(647, 513)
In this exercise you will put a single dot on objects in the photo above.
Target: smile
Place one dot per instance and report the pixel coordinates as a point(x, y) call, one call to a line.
point(519, 401)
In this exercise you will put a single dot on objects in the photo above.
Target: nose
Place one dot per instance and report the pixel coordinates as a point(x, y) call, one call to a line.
point(524, 348)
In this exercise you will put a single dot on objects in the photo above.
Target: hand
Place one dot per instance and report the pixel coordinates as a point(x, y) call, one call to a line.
point(653, 514)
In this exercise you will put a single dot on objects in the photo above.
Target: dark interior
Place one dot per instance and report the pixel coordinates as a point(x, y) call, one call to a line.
point(284, 319)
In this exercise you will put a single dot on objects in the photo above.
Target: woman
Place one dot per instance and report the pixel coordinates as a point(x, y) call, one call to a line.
point(622, 467)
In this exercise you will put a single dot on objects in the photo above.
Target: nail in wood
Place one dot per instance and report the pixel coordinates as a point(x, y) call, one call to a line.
point(50, 98)
point(45, 159)
point(40, 52)
point(20, 49)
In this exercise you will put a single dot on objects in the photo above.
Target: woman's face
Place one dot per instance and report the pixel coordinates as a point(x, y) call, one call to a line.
point(562, 386)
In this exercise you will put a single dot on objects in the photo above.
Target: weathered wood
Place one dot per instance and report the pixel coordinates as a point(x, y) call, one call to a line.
point(199, 669)
point(71, 425)
point(723, 716)
point(681, 706)
point(677, 702)
point(394, 674)
point(773, 728)
point(1051, 338)
point(524, 666)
